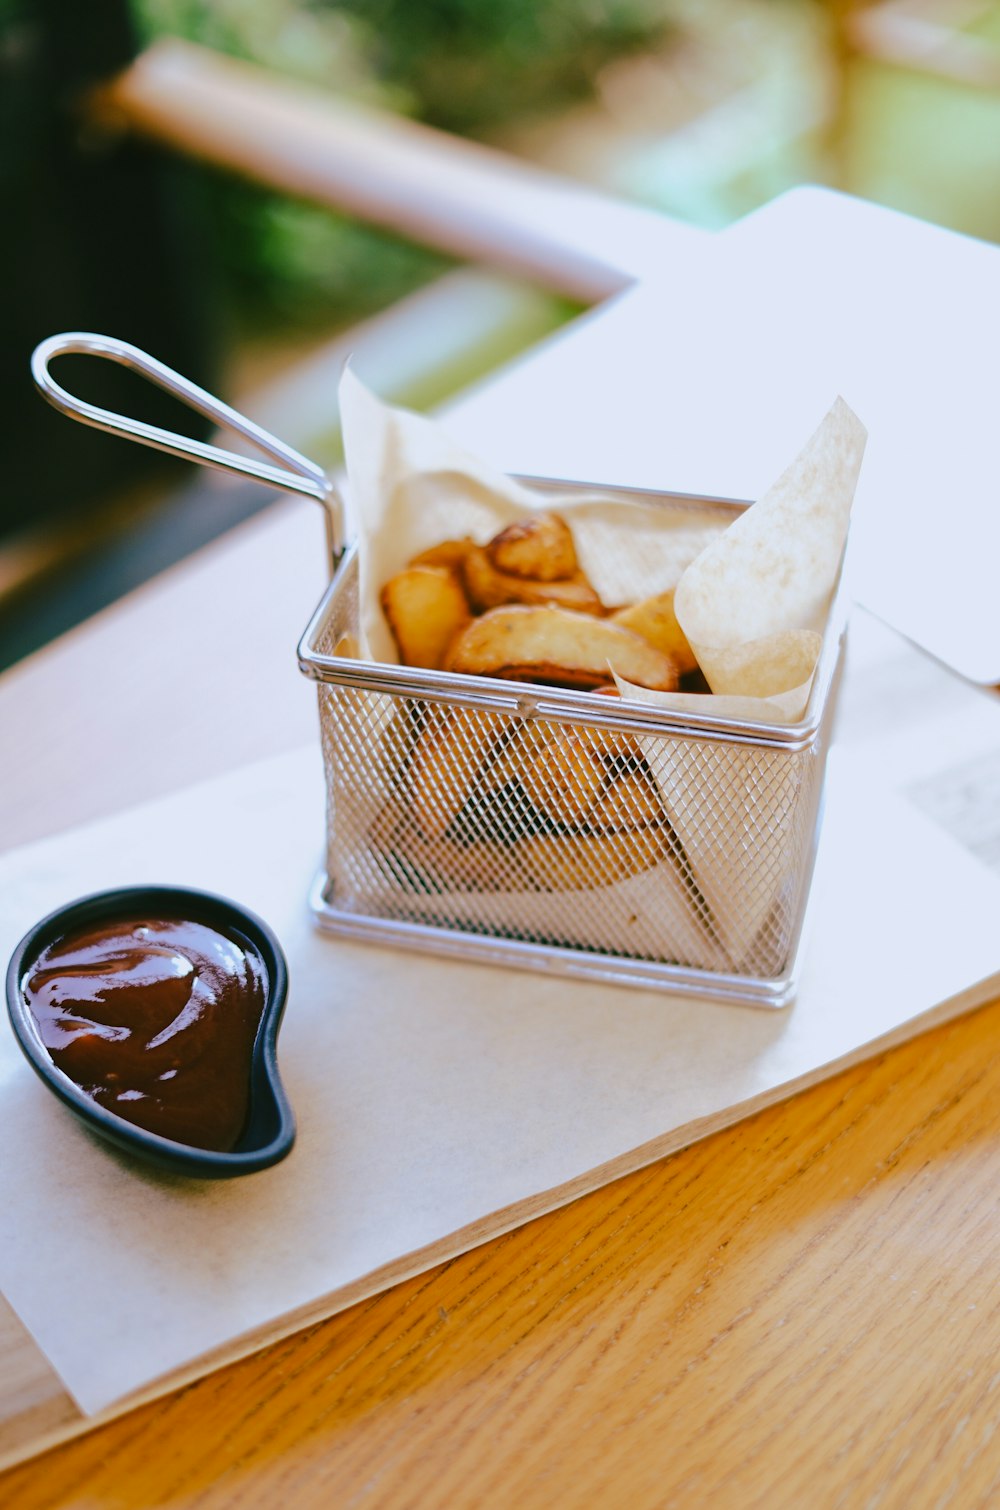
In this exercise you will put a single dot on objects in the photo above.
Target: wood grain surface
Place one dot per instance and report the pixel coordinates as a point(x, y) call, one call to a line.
point(802, 1310)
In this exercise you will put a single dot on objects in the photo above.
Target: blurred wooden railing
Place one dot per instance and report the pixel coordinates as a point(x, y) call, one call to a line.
point(472, 202)
point(926, 38)
point(458, 196)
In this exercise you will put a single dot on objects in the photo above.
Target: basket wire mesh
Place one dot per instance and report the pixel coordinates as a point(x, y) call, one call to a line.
point(508, 824)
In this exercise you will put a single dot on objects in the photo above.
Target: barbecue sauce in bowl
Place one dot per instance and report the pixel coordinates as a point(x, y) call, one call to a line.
point(152, 1013)
point(155, 1020)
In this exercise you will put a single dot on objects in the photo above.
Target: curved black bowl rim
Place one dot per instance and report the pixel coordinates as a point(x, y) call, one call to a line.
point(267, 1094)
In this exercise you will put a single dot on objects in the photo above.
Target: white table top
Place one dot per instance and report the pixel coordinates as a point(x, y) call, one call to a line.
point(708, 377)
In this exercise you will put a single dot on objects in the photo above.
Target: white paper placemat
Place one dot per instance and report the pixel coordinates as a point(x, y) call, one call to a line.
point(708, 383)
point(440, 1103)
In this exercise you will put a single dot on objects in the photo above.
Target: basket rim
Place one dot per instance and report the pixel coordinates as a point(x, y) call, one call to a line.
point(529, 699)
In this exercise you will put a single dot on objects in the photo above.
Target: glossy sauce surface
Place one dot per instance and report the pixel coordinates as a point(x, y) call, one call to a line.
point(154, 1019)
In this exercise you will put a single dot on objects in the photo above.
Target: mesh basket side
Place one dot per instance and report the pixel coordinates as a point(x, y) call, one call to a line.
point(675, 848)
point(664, 848)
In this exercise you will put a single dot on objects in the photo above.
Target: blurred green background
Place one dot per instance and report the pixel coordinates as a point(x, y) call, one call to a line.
point(468, 66)
point(701, 111)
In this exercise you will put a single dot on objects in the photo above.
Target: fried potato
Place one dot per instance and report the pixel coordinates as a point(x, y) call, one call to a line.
point(445, 765)
point(450, 553)
point(489, 588)
point(522, 742)
point(539, 546)
point(395, 746)
point(552, 645)
point(422, 866)
point(618, 748)
point(630, 802)
point(575, 862)
point(425, 608)
point(500, 804)
point(387, 823)
point(565, 778)
point(655, 620)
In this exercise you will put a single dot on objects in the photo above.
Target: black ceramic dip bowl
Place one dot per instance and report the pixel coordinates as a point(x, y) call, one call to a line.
point(152, 1012)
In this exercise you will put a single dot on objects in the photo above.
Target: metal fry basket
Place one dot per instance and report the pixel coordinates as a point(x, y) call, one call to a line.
point(526, 825)
point(562, 831)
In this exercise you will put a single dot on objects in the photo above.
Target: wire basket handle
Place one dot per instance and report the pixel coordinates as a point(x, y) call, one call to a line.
point(298, 475)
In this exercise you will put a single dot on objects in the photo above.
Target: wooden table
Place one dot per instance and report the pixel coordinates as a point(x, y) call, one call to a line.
point(800, 1310)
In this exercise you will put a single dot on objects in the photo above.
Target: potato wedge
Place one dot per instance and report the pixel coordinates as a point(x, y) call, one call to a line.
point(425, 608)
point(450, 553)
point(422, 866)
point(446, 763)
point(564, 779)
point(616, 747)
point(573, 862)
point(522, 742)
point(630, 802)
point(488, 588)
point(552, 645)
point(500, 805)
point(539, 546)
point(655, 620)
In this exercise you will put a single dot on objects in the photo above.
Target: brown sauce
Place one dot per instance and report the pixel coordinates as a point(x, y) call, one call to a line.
point(154, 1019)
